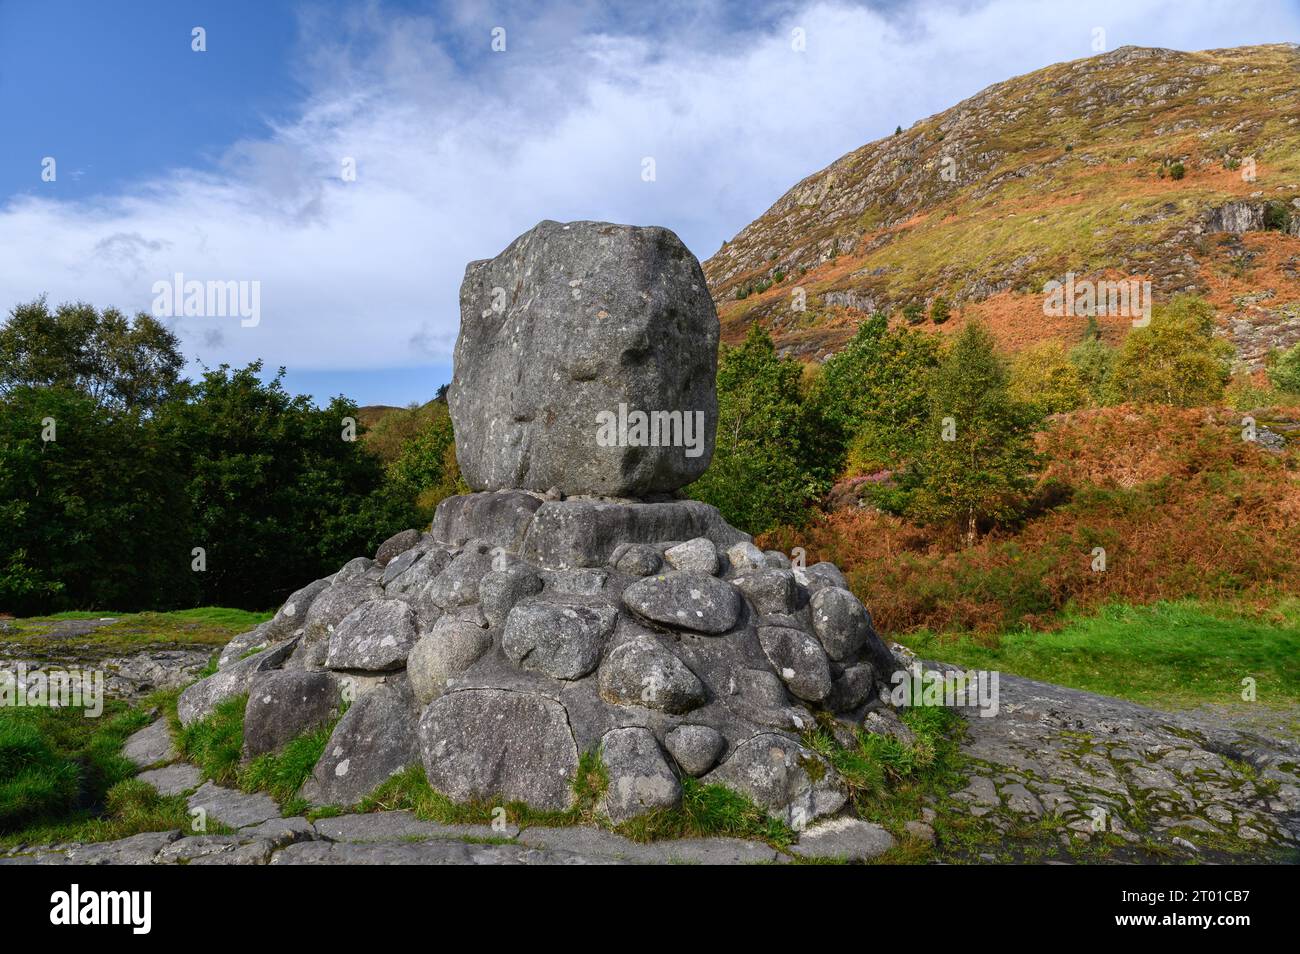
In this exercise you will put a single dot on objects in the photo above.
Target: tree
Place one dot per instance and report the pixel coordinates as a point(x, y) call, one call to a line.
point(93, 512)
point(773, 456)
point(1094, 360)
point(1044, 377)
point(279, 493)
point(425, 469)
point(940, 309)
point(975, 461)
point(1284, 370)
point(1174, 360)
point(914, 312)
point(131, 365)
point(874, 392)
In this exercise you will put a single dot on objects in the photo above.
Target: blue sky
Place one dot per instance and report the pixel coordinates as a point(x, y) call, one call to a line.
point(227, 165)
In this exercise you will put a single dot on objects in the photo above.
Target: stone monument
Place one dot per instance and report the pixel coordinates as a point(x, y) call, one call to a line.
point(572, 603)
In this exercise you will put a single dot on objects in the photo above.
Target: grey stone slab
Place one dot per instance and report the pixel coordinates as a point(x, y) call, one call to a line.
point(136, 850)
point(233, 808)
point(849, 839)
point(437, 851)
point(400, 826)
point(151, 745)
point(173, 779)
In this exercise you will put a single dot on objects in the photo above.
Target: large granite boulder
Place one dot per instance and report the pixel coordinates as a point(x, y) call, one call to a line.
point(568, 335)
point(373, 741)
point(480, 744)
point(640, 779)
point(774, 771)
point(285, 703)
point(202, 698)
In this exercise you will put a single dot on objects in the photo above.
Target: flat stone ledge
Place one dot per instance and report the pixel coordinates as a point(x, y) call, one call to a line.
point(151, 745)
point(401, 826)
point(233, 808)
point(596, 842)
point(437, 851)
point(846, 839)
point(174, 779)
point(584, 532)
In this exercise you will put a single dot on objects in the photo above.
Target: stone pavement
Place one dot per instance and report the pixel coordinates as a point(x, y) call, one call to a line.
point(255, 833)
point(1191, 780)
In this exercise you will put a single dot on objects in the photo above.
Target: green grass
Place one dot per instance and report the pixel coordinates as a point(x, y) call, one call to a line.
point(280, 774)
point(216, 745)
point(889, 781)
point(204, 626)
point(63, 777)
point(706, 810)
point(709, 811)
point(1165, 654)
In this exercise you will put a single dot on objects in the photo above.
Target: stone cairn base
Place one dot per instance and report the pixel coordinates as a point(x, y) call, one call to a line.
point(522, 631)
point(574, 603)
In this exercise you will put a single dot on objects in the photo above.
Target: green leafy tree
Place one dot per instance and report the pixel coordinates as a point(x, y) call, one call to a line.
point(1094, 360)
point(975, 462)
point(940, 309)
point(425, 469)
point(774, 456)
point(1044, 378)
point(92, 507)
point(1284, 370)
point(278, 492)
point(1176, 359)
point(874, 392)
point(127, 364)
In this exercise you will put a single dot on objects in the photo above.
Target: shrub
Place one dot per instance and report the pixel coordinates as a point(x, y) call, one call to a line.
point(1184, 508)
point(913, 313)
point(1176, 359)
point(98, 515)
point(774, 456)
point(425, 470)
point(263, 468)
point(940, 309)
point(1093, 359)
point(1284, 370)
point(1044, 377)
point(1177, 171)
point(1245, 393)
point(1277, 216)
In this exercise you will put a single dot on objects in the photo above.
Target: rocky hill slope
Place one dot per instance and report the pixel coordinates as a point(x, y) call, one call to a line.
point(1178, 168)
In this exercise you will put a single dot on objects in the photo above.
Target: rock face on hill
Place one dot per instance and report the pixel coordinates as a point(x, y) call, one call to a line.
point(526, 629)
point(969, 206)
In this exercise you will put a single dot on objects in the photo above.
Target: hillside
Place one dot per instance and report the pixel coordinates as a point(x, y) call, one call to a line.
point(1072, 168)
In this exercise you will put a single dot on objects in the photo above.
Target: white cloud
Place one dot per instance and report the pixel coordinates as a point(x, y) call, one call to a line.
point(459, 149)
